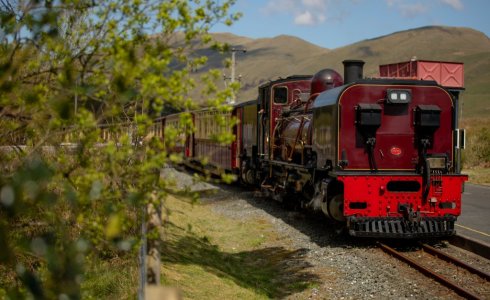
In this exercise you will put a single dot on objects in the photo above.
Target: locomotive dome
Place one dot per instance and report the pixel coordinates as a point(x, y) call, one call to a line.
point(324, 80)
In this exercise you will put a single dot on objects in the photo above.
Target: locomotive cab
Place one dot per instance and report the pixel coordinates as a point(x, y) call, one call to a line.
point(275, 97)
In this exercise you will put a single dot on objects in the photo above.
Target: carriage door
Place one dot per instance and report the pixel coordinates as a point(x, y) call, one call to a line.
point(263, 121)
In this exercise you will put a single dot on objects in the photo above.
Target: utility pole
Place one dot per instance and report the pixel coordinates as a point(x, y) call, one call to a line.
point(233, 66)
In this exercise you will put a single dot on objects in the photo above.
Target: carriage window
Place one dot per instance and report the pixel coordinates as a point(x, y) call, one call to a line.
point(280, 95)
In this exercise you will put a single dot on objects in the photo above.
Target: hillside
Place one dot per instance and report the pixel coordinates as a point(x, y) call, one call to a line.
point(281, 56)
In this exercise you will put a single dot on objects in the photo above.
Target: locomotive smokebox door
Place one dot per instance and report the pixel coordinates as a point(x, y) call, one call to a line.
point(368, 116)
point(427, 117)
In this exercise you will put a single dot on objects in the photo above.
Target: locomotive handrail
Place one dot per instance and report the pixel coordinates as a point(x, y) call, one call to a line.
point(312, 96)
point(300, 129)
point(279, 123)
point(297, 101)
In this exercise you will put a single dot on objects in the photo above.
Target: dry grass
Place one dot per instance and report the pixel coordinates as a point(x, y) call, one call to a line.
point(476, 156)
point(478, 175)
point(113, 279)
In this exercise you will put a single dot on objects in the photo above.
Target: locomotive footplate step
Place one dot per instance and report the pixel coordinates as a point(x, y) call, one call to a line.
point(401, 228)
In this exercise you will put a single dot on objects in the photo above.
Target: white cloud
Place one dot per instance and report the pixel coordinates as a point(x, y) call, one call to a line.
point(304, 12)
point(456, 4)
point(413, 10)
point(305, 18)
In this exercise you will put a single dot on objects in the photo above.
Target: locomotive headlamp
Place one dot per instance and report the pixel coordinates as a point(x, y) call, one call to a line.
point(437, 162)
point(399, 96)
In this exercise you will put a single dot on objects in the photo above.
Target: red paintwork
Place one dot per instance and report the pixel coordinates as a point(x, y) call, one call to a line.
point(179, 147)
point(217, 155)
point(383, 203)
point(302, 85)
point(447, 74)
point(324, 80)
point(395, 130)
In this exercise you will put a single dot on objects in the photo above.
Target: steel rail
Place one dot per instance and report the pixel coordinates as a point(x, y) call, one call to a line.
point(470, 244)
point(453, 260)
point(441, 279)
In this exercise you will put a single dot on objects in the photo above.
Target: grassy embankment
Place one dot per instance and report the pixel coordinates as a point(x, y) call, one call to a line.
point(209, 256)
point(476, 109)
point(221, 258)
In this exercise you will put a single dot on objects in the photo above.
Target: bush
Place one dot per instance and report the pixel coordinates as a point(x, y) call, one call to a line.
point(477, 152)
point(66, 67)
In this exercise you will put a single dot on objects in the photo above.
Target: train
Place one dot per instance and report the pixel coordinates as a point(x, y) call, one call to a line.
point(380, 156)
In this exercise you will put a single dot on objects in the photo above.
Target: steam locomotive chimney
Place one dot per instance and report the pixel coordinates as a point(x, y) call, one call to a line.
point(352, 70)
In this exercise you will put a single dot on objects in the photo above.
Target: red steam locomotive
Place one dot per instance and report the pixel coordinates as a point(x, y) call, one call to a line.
point(380, 155)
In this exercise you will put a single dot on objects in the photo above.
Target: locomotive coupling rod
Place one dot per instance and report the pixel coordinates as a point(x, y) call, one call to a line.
point(454, 261)
point(441, 279)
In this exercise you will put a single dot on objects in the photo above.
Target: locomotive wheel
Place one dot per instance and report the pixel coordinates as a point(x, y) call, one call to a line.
point(336, 208)
point(249, 177)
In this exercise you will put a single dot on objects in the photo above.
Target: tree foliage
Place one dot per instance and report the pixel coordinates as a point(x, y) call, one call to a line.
point(66, 68)
point(477, 153)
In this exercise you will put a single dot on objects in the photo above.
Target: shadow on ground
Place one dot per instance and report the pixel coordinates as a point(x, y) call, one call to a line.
point(319, 229)
point(274, 271)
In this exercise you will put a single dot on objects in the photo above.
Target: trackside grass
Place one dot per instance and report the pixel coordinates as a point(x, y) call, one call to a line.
point(116, 278)
point(478, 175)
point(209, 256)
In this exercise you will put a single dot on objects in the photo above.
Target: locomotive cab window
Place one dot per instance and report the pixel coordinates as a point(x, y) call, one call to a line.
point(280, 95)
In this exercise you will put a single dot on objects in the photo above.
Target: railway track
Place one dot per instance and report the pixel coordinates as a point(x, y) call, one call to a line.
point(462, 278)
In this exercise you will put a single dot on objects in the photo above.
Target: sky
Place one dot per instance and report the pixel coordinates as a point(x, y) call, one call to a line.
point(336, 23)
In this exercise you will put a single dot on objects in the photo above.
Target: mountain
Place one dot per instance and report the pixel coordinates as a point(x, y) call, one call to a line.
point(282, 56)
